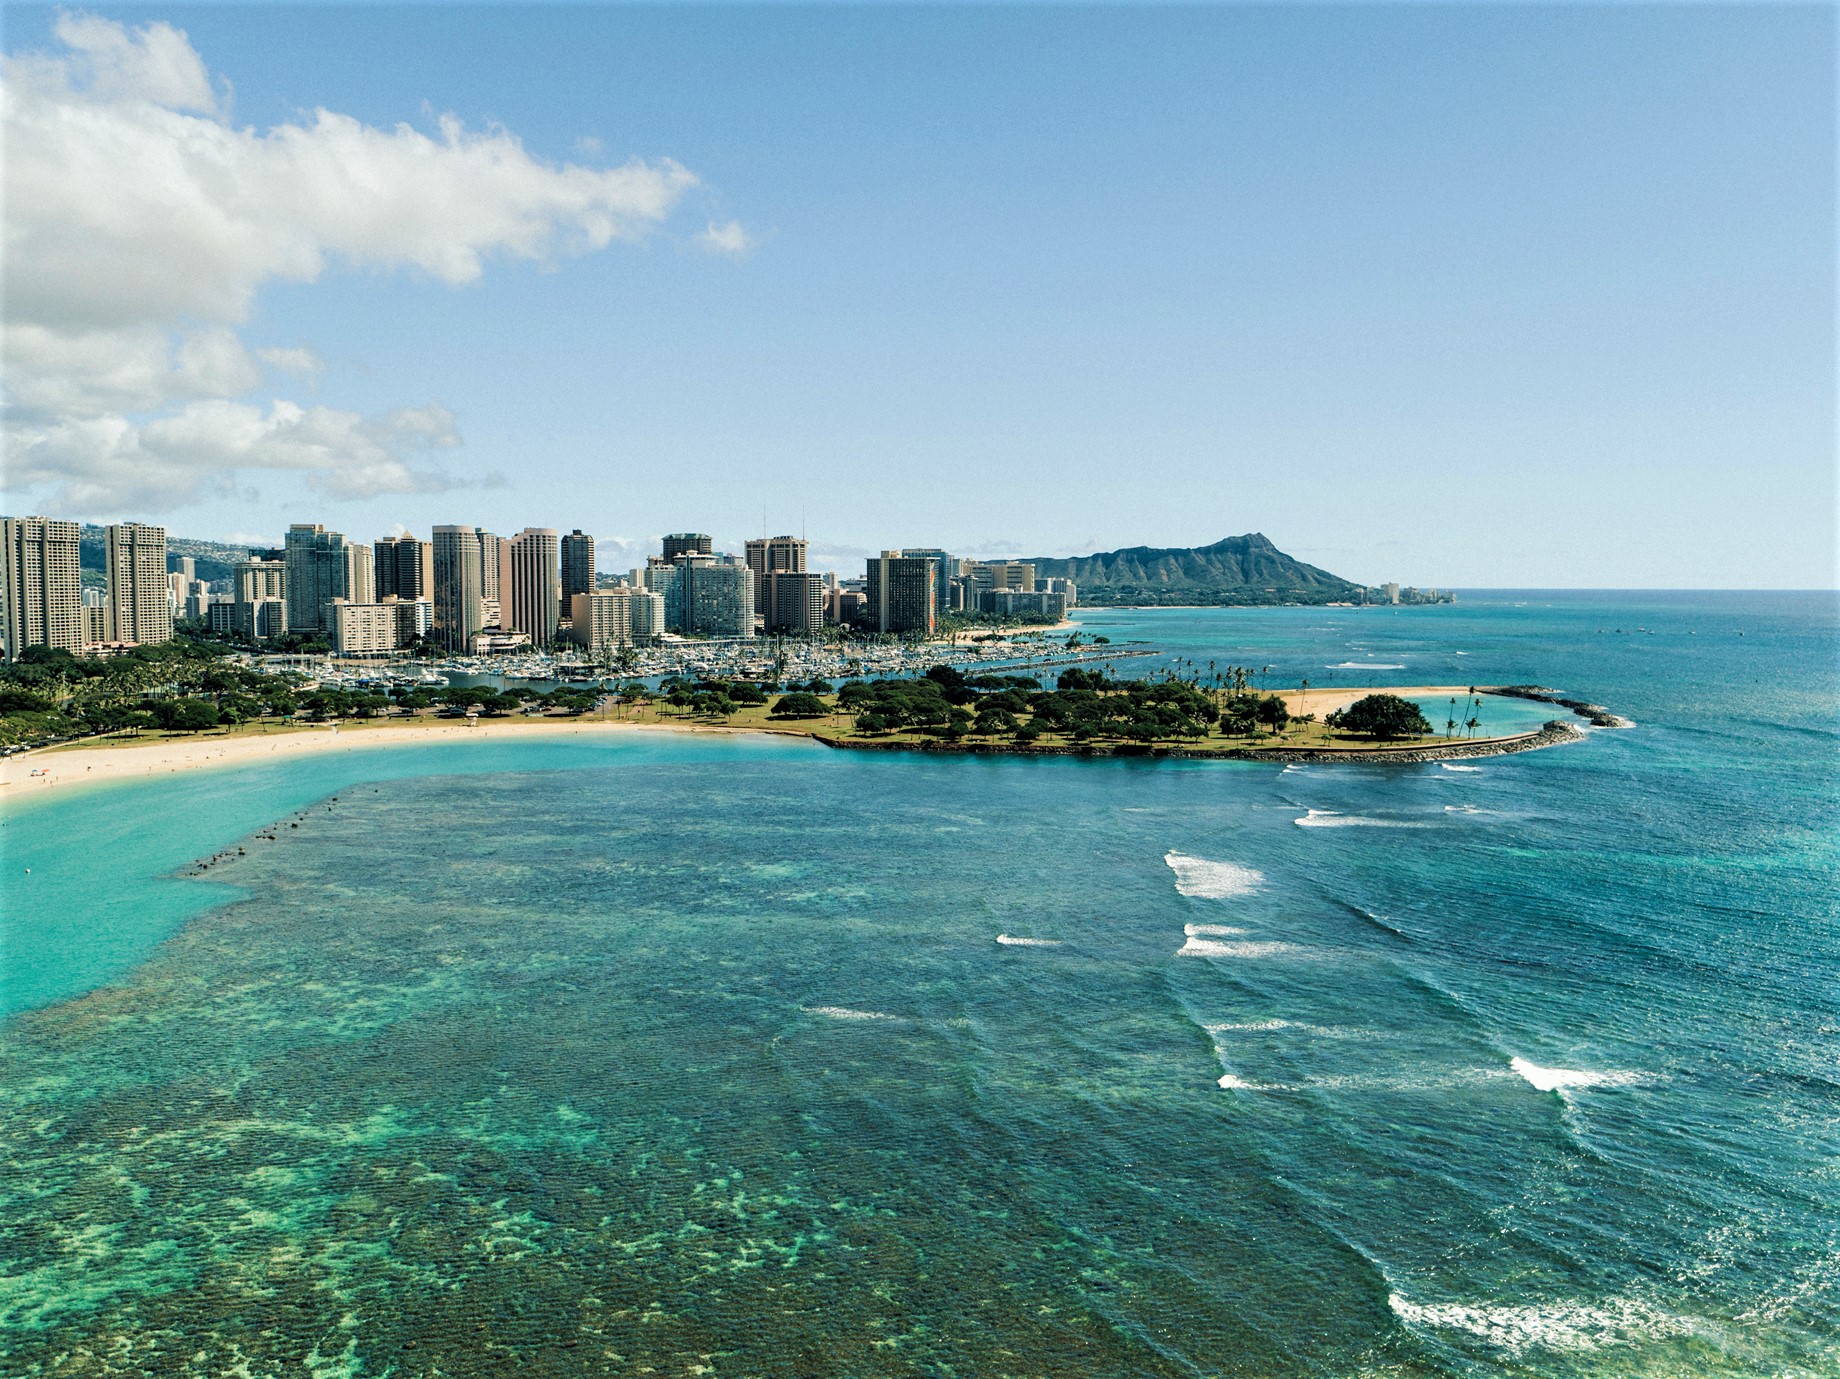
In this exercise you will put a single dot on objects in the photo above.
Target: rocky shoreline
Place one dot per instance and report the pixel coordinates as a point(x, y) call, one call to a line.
point(1599, 716)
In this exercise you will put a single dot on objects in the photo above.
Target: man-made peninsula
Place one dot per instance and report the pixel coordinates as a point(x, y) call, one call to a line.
point(1086, 716)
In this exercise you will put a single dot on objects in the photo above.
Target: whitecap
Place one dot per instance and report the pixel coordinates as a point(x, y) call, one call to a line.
point(1205, 880)
point(1014, 941)
point(1252, 1026)
point(1560, 1079)
point(1451, 766)
point(845, 1013)
point(1214, 948)
point(1328, 818)
point(1229, 1082)
point(1548, 1326)
point(1293, 769)
point(1367, 665)
point(1211, 930)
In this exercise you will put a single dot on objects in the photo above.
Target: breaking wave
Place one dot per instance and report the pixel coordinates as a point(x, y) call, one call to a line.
point(1214, 948)
point(1211, 930)
point(1328, 818)
point(1546, 1326)
point(1368, 665)
point(1563, 1079)
point(1453, 766)
point(1014, 941)
point(845, 1013)
point(1205, 880)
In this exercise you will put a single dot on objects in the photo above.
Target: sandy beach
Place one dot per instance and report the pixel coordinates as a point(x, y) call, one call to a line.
point(1323, 702)
point(119, 759)
point(103, 760)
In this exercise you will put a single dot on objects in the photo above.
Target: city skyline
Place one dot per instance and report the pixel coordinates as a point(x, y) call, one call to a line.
point(1500, 298)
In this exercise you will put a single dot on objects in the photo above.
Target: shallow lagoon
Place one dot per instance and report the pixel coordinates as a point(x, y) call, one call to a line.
point(696, 1053)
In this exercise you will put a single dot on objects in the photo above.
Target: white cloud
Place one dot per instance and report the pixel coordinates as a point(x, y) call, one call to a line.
point(299, 360)
point(730, 239)
point(112, 464)
point(141, 224)
point(53, 373)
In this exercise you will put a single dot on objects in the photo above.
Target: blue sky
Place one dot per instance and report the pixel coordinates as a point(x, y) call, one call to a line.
point(1471, 296)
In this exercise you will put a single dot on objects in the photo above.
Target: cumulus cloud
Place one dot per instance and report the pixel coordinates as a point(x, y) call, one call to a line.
point(141, 223)
point(92, 463)
point(299, 360)
point(730, 240)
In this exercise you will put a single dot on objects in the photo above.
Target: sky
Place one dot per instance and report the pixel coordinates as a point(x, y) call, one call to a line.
point(1470, 296)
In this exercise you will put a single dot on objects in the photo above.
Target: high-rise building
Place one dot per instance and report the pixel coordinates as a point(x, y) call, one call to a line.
point(794, 601)
point(319, 570)
point(140, 606)
point(98, 617)
point(533, 602)
point(647, 613)
point(405, 568)
point(768, 553)
point(1011, 574)
point(944, 567)
point(601, 620)
point(414, 618)
point(493, 562)
point(717, 599)
point(362, 629)
point(258, 592)
point(663, 578)
point(1010, 603)
point(360, 573)
point(900, 594)
point(577, 565)
point(184, 565)
point(687, 543)
point(459, 587)
point(41, 586)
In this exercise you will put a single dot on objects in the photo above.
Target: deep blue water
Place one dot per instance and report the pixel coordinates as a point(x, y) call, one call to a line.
point(761, 1058)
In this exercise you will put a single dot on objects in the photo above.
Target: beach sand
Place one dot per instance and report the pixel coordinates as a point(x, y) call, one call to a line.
point(1322, 702)
point(121, 759)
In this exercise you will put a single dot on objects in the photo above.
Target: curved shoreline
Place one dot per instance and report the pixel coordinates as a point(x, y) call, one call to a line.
point(26, 774)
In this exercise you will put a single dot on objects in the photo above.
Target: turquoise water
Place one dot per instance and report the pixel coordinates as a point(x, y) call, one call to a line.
point(747, 1057)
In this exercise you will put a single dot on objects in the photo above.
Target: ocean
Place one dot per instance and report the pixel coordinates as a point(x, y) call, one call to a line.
point(687, 1055)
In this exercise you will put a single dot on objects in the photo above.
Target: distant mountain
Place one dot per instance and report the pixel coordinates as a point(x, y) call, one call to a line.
point(1238, 570)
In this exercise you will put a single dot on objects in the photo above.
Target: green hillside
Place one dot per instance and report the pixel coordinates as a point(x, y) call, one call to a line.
point(1237, 570)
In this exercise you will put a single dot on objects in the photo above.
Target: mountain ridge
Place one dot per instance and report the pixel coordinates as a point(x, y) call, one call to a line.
point(1246, 569)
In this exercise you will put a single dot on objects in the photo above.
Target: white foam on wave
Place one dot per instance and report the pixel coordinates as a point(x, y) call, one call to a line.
point(1563, 1079)
point(1016, 941)
point(1368, 665)
point(1328, 818)
point(1272, 1026)
point(1211, 930)
point(1205, 880)
point(1230, 1082)
point(1214, 948)
point(846, 1013)
point(1250, 1026)
point(1295, 768)
point(1452, 766)
point(1546, 1326)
